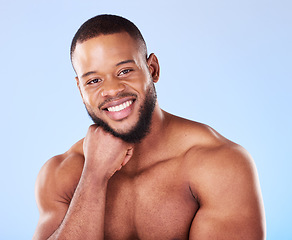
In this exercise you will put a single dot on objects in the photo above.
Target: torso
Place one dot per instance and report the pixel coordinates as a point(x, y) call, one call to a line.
point(156, 204)
point(157, 201)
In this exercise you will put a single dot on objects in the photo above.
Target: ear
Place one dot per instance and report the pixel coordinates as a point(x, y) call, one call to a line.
point(153, 66)
point(78, 85)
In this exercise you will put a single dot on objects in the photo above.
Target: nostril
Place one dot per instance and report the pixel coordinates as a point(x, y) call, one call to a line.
point(112, 90)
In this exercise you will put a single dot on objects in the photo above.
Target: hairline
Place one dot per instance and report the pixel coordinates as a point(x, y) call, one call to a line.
point(141, 45)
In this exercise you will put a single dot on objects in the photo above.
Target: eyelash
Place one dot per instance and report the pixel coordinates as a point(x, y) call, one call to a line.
point(125, 71)
point(96, 80)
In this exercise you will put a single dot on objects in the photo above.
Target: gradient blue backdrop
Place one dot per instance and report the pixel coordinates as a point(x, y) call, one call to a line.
point(225, 63)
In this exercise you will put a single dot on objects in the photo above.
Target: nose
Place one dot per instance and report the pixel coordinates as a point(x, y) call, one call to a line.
point(111, 87)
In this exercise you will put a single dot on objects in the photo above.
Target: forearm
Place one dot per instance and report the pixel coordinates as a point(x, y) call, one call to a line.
point(85, 216)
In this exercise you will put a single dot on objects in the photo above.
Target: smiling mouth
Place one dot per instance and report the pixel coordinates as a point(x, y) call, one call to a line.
point(120, 107)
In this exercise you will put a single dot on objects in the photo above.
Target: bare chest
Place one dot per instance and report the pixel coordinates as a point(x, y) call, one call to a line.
point(157, 204)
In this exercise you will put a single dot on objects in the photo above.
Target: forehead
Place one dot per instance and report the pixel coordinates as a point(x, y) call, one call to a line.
point(106, 50)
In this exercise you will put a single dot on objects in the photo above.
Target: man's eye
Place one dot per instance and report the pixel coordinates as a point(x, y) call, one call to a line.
point(94, 81)
point(125, 71)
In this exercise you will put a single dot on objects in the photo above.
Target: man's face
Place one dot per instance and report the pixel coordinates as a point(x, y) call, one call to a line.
point(115, 84)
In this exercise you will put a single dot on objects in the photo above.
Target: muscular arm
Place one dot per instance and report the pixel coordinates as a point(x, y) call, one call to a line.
point(58, 219)
point(79, 214)
point(227, 188)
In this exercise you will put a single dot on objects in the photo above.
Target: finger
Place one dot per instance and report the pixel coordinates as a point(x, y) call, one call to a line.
point(93, 127)
point(128, 156)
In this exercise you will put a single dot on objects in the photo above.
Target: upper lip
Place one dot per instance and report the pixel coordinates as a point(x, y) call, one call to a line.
point(115, 102)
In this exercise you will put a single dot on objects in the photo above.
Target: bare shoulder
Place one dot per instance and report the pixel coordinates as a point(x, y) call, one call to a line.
point(59, 175)
point(204, 145)
point(55, 186)
point(222, 177)
point(210, 157)
point(221, 166)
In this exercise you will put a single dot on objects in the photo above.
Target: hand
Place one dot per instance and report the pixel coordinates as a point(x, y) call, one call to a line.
point(105, 154)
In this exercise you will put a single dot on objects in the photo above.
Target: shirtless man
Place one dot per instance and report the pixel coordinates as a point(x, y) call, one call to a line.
point(140, 172)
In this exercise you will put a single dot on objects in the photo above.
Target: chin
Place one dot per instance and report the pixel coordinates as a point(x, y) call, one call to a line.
point(133, 128)
point(124, 126)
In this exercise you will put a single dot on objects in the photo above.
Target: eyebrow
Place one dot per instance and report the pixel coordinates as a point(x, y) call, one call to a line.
point(126, 61)
point(88, 73)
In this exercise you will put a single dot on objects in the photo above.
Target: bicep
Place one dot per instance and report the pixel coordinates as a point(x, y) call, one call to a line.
point(230, 201)
point(51, 202)
point(48, 223)
point(211, 224)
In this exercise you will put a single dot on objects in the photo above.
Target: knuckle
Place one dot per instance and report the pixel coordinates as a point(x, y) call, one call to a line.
point(92, 127)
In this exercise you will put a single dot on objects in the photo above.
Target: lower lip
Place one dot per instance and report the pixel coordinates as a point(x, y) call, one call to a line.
point(120, 115)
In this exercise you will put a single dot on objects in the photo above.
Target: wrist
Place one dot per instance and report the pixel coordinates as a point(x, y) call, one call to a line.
point(94, 176)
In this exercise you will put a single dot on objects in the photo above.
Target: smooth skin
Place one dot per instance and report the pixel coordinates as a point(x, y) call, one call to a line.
point(182, 181)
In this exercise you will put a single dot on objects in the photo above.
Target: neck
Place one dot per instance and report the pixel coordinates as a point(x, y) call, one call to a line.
point(147, 151)
point(158, 123)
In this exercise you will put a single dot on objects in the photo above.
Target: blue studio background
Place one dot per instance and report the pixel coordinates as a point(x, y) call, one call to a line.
point(224, 63)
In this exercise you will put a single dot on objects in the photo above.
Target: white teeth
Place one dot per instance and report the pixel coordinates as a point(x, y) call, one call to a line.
point(120, 107)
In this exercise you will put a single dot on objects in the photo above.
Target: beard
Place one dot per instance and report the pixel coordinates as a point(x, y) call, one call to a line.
point(141, 128)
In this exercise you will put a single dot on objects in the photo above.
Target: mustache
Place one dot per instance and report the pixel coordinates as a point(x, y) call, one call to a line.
point(119, 96)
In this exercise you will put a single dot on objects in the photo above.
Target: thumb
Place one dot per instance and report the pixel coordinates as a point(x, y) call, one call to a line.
point(128, 156)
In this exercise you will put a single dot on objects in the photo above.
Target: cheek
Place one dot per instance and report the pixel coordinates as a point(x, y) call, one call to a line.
point(90, 96)
point(141, 83)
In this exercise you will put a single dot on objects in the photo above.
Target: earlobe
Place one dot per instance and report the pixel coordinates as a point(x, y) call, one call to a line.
point(153, 66)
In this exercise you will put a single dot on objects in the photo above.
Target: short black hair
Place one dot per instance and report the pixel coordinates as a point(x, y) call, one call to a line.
point(106, 24)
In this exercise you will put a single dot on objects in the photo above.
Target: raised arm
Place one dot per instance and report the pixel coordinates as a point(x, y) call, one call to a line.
point(66, 213)
point(227, 189)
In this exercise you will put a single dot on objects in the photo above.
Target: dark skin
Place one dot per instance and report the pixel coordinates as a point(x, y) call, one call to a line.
point(182, 181)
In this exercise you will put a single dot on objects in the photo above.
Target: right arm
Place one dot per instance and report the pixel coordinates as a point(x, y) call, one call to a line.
point(82, 217)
